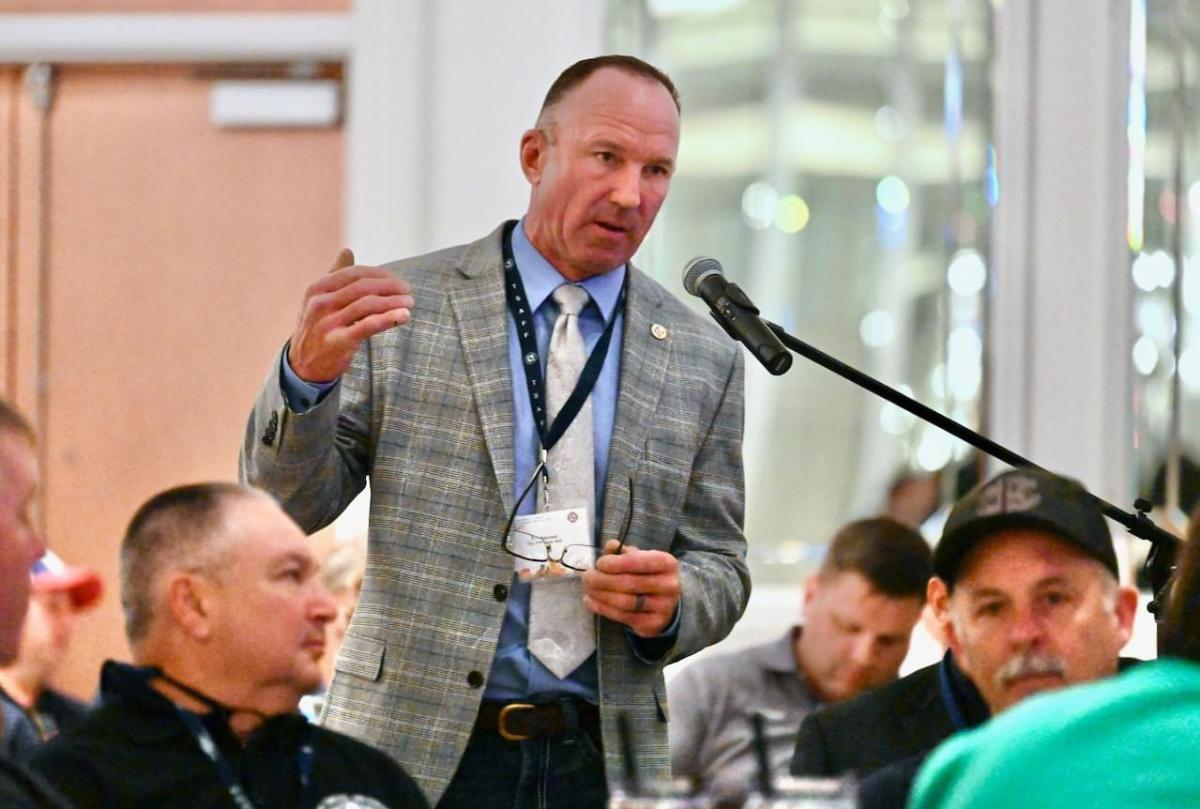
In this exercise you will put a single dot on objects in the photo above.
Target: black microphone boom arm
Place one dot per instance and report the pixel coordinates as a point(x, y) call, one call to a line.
point(1159, 564)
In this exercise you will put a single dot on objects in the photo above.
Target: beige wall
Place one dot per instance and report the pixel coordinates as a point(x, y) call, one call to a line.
point(143, 304)
point(176, 252)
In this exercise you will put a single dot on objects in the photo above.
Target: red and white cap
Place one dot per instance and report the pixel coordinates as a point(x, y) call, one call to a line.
point(52, 575)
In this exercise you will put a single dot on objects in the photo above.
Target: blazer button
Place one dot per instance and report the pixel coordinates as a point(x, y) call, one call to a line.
point(500, 591)
point(475, 679)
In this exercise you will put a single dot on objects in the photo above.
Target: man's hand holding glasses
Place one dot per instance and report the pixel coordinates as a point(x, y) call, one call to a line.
point(637, 588)
point(634, 587)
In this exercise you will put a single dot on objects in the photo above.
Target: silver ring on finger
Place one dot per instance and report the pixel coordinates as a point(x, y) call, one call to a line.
point(639, 603)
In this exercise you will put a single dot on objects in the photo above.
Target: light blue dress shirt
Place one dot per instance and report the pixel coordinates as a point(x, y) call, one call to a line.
point(516, 674)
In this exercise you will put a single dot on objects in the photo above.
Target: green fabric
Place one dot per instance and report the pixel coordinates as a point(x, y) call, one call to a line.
point(1129, 741)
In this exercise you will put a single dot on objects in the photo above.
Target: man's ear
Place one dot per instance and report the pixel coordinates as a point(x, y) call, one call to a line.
point(533, 154)
point(937, 595)
point(1126, 611)
point(812, 585)
point(190, 605)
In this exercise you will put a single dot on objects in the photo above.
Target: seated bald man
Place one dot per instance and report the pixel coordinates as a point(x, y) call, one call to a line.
point(1026, 582)
point(226, 619)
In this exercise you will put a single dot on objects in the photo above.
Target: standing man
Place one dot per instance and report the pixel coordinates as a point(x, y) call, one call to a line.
point(59, 594)
point(20, 546)
point(488, 688)
point(859, 611)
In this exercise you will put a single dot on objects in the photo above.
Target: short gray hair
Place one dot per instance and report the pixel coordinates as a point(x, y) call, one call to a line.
point(181, 528)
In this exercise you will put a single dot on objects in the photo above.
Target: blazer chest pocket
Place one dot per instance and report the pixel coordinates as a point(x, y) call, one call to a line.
point(362, 657)
point(657, 503)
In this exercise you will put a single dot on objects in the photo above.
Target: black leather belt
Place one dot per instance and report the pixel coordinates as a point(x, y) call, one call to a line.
point(517, 721)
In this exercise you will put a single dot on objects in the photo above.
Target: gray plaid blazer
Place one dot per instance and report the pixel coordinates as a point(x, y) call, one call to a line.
point(426, 413)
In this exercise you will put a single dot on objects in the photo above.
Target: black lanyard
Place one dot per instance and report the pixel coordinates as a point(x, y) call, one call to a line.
point(518, 307)
point(208, 745)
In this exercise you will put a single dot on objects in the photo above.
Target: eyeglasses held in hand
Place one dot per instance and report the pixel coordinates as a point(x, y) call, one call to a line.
point(575, 557)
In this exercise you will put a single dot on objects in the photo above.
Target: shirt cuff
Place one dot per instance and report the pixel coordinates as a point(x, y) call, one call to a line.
point(301, 396)
point(653, 650)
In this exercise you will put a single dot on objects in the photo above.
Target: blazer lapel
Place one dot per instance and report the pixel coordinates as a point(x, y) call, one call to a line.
point(479, 309)
point(643, 368)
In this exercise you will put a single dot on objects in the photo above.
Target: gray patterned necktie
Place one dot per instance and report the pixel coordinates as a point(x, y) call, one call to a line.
point(562, 631)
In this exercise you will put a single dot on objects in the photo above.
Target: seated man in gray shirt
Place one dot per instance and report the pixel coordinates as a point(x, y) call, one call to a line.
point(859, 611)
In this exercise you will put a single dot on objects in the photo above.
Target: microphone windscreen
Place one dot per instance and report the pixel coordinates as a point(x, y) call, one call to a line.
point(696, 270)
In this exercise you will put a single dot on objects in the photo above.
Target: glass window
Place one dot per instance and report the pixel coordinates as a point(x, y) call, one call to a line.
point(1164, 216)
point(836, 160)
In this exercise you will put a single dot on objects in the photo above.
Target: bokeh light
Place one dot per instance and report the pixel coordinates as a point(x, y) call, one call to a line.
point(1153, 270)
point(1145, 356)
point(877, 328)
point(1189, 369)
point(964, 353)
point(791, 214)
point(892, 195)
point(889, 124)
point(934, 450)
point(759, 204)
point(1155, 319)
point(967, 273)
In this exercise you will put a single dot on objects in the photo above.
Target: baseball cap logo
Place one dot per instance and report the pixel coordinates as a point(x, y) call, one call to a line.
point(1004, 496)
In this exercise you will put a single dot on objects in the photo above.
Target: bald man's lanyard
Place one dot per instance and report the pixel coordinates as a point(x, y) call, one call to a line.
point(304, 757)
point(522, 315)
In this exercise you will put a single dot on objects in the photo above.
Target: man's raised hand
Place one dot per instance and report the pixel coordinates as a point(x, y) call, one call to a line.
point(340, 310)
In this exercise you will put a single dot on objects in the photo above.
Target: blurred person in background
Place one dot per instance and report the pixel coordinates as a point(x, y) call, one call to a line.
point(1131, 741)
point(913, 497)
point(59, 594)
point(20, 547)
point(859, 612)
point(342, 574)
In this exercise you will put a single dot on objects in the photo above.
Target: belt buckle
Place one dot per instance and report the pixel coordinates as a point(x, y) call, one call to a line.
point(502, 721)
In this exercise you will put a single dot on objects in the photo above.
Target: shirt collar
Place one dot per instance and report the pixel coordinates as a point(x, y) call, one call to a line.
point(540, 278)
point(149, 717)
point(781, 655)
point(964, 703)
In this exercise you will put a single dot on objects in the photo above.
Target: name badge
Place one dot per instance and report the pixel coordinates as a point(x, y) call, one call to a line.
point(552, 544)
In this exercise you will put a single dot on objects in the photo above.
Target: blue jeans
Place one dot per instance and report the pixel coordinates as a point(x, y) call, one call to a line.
point(548, 772)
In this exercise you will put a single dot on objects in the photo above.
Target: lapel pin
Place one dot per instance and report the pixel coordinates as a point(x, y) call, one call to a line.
point(659, 331)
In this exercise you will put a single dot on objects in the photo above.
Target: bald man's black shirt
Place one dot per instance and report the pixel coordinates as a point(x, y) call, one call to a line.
point(136, 751)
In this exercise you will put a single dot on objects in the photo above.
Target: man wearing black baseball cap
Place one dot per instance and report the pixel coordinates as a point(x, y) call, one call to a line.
point(1026, 584)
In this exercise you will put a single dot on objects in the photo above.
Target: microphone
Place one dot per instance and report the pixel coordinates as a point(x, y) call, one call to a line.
point(730, 307)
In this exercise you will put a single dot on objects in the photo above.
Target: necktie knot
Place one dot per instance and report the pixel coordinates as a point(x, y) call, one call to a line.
point(571, 298)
